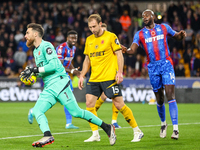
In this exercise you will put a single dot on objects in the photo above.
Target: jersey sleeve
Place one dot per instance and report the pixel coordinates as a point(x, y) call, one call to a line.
point(49, 52)
point(115, 43)
point(136, 38)
point(59, 51)
point(170, 31)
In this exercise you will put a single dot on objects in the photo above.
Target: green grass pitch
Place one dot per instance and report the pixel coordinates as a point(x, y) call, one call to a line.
point(17, 134)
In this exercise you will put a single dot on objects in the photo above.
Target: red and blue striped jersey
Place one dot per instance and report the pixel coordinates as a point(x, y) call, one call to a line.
point(65, 53)
point(154, 41)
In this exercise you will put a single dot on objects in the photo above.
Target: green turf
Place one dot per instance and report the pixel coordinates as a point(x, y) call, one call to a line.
point(14, 124)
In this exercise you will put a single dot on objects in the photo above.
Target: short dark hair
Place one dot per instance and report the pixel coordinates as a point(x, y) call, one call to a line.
point(104, 25)
point(71, 32)
point(36, 27)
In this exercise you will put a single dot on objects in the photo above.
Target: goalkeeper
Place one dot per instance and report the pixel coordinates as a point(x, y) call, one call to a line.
point(56, 87)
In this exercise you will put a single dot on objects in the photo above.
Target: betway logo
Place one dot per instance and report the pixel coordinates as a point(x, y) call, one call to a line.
point(133, 95)
point(158, 37)
point(17, 94)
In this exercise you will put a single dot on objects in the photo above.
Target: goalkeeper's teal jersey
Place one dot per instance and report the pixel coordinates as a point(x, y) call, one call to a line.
point(43, 54)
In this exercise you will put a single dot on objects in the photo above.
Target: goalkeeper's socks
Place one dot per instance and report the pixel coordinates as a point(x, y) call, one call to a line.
point(68, 116)
point(47, 133)
point(106, 128)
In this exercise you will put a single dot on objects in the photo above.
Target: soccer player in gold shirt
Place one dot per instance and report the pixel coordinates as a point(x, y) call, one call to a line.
point(103, 54)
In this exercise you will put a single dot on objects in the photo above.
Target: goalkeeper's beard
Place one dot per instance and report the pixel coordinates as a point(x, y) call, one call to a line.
point(29, 43)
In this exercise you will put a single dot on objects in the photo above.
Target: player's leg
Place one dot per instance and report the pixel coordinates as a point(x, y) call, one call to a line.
point(90, 103)
point(68, 116)
point(161, 111)
point(93, 91)
point(67, 99)
point(115, 113)
point(156, 82)
point(41, 106)
point(100, 101)
point(168, 78)
point(173, 109)
point(114, 92)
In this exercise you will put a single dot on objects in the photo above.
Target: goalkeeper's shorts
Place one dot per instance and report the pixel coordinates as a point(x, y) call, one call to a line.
point(60, 92)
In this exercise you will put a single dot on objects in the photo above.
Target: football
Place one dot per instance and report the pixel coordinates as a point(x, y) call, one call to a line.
point(31, 80)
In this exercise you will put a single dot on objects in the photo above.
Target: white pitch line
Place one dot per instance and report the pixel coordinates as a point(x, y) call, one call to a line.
point(17, 137)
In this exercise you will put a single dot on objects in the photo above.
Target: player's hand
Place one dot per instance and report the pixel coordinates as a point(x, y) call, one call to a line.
point(119, 77)
point(80, 82)
point(124, 49)
point(77, 72)
point(183, 34)
point(26, 73)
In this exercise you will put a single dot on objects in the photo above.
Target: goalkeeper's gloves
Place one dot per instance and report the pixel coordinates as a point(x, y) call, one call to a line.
point(28, 72)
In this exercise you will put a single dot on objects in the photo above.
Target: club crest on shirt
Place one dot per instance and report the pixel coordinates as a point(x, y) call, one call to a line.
point(117, 41)
point(153, 33)
point(96, 46)
point(49, 50)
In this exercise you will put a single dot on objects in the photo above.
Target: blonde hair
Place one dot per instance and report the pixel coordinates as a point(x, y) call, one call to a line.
point(97, 17)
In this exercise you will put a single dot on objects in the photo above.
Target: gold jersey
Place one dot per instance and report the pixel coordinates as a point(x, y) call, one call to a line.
point(101, 52)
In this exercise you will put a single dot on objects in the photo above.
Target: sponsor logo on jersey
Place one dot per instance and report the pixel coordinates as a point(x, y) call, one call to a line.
point(96, 54)
point(68, 58)
point(49, 51)
point(158, 37)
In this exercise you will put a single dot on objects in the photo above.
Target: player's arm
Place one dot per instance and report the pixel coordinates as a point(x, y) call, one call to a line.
point(120, 62)
point(86, 67)
point(50, 67)
point(135, 44)
point(132, 49)
point(73, 70)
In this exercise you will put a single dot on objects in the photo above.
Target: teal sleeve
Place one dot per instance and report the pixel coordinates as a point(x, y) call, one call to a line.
point(51, 66)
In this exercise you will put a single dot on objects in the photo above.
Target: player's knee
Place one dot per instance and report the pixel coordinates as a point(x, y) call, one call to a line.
point(77, 113)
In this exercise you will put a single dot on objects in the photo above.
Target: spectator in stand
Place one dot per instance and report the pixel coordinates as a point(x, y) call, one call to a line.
point(9, 61)
point(117, 27)
point(175, 56)
point(188, 39)
point(22, 43)
point(195, 23)
point(18, 36)
point(179, 70)
point(60, 37)
point(125, 21)
point(187, 56)
point(127, 7)
point(194, 64)
point(130, 64)
point(3, 49)
point(20, 57)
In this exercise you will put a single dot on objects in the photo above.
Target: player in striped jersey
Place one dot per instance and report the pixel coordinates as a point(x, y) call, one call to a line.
point(65, 52)
point(153, 39)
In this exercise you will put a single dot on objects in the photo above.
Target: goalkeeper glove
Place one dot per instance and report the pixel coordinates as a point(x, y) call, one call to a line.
point(28, 72)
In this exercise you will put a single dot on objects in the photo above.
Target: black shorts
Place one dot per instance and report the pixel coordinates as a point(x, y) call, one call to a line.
point(110, 88)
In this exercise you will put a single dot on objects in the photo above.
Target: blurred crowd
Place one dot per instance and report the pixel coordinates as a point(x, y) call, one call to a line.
point(58, 18)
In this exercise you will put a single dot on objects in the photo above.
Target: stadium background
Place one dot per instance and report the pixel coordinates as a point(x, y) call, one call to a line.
point(61, 16)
